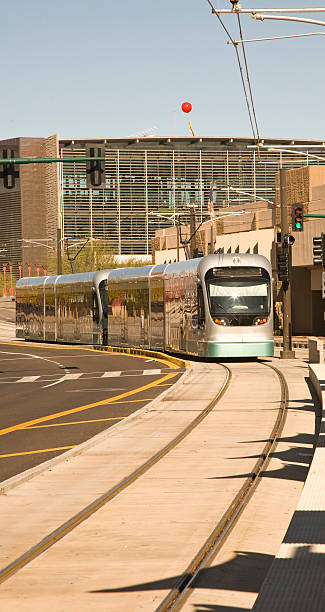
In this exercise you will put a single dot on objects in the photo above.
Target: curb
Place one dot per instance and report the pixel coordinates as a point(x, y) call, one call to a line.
point(147, 352)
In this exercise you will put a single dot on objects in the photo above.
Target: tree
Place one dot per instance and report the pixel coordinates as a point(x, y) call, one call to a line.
point(95, 255)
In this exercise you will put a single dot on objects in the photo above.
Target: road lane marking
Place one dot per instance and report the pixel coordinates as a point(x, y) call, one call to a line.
point(150, 372)
point(109, 400)
point(171, 365)
point(64, 379)
point(26, 379)
point(146, 399)
point(32, 357)
point(111, 374)
point(42, 450)
point(97, 390)
point(76, 422)
point(52, 378)
point(166, 385)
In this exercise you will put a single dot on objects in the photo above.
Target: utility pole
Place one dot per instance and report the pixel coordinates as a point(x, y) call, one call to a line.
point(287, 352)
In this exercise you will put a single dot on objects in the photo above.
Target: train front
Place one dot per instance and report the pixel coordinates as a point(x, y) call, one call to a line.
point(237, 292)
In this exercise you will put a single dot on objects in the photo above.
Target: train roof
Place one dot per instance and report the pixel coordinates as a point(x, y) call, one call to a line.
point(201, 264)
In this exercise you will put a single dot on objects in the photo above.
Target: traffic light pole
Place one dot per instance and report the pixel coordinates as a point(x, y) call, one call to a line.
point(287, 352)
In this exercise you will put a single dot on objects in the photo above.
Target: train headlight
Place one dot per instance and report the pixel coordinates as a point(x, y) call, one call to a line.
point(259, 321)
point(221, 321)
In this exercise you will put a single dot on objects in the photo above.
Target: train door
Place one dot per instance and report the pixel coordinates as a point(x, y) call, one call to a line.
point(101, 327)
point(50, 320)
point(157, 339)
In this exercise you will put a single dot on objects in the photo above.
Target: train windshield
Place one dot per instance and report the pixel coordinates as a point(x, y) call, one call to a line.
point(238, 291)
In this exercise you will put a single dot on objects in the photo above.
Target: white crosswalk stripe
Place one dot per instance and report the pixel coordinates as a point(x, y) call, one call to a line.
point(111, 374)
point(53, 380)
point(63, 379)
point(149, 372)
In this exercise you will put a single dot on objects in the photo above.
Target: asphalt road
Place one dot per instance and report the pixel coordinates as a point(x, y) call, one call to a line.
point(54, 397)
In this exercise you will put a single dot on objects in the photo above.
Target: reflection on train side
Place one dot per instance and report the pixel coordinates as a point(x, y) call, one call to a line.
point(214, 306)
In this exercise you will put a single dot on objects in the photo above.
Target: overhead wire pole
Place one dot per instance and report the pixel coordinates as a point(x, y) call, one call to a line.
point(248, 40)
point(261, 17)
point(266, 10)
point(287, 352)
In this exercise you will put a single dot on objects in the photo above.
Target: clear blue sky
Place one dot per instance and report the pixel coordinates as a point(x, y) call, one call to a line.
point(115, 68)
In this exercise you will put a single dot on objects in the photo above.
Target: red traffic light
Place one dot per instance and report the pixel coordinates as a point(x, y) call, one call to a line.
point(186, 107)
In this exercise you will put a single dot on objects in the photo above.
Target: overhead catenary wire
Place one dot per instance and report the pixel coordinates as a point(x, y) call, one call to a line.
point(248, 80)
point(256, 137)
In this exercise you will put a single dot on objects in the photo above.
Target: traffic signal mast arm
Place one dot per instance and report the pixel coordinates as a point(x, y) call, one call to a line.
point(47, 160)
point(314, 216)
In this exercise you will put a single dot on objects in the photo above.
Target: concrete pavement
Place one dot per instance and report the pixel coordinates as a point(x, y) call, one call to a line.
point(129, 553)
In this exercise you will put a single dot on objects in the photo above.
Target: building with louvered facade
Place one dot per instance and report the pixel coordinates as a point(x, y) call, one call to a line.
point(146, 184)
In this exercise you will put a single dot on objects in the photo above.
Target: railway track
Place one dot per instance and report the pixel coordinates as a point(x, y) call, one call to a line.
point(213, 544)
point(210, 547)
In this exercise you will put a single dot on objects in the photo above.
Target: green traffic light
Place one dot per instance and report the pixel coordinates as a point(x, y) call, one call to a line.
point(298, 224)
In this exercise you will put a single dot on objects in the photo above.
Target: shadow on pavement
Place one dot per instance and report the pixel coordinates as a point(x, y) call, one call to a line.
point(245, 572)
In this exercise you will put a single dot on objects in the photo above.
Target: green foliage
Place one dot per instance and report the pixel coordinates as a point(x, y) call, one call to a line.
point(96, 255)
point(133, 262)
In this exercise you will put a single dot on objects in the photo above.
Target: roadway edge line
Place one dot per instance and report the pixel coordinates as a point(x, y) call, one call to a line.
point(15, 481)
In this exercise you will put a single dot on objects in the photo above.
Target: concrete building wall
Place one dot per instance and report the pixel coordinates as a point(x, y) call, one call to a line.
point(10, 208)
point(29, 209)
point(33, 211)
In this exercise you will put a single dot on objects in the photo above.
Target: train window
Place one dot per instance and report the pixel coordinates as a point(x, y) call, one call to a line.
point(238, 291)
point(236, 272)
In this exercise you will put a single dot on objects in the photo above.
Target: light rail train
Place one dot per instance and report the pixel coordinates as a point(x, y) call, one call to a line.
point(215, 306)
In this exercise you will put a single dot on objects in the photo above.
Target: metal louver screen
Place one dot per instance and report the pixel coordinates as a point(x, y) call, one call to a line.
point(143, 186)
point(10, 228)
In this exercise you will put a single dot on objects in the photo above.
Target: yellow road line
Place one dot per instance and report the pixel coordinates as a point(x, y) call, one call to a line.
point(75, 422)
point(110, 400)
point(147, 399)
point(166, 385)
point(171, 365)
point(43, 450)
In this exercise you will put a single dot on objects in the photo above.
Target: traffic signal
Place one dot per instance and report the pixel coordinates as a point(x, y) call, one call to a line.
point(9, 172)
point(283, 264)
point(288, 240)
point(297, 218)
point(319, 250)
point(95, 169)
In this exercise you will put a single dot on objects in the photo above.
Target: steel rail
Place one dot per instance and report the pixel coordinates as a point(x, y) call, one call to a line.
point(176, 597)
point(86, 512)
